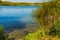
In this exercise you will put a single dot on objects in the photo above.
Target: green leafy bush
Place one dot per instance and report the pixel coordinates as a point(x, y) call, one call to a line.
point(55, 30)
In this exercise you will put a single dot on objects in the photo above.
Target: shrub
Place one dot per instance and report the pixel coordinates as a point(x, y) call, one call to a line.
point(4, 36)
point(55, 30)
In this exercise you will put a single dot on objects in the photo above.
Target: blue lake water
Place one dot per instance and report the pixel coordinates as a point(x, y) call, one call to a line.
point(16, 17)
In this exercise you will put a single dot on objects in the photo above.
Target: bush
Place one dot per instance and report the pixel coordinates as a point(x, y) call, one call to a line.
point(55, 30)
point(4, 36)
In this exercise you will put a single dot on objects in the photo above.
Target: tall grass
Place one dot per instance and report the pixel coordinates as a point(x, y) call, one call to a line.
point(48, 16)
point(48, 13)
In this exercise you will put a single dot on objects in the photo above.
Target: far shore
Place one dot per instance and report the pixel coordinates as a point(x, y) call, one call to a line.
point(19, 4)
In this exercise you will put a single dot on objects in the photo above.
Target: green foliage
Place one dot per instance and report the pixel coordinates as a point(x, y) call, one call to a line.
point(38, 35)
point(55, 30)
point(0, 1)
point(48, 12)
point(4, 36)
point(49, 17)
point(43, 32)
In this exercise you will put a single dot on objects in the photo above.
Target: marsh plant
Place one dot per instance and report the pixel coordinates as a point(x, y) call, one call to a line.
point(3, 35)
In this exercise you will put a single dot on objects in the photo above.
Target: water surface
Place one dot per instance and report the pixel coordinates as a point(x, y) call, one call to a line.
point(16, 17)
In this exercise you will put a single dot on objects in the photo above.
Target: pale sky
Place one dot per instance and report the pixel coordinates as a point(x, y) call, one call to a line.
point(26, 0)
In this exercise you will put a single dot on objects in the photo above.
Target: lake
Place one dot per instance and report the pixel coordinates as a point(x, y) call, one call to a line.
point(16, 17)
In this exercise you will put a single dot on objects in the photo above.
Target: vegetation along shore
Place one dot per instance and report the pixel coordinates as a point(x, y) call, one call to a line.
point(48, 16)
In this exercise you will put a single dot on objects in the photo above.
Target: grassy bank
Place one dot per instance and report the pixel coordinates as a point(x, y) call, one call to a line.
point(48, 16)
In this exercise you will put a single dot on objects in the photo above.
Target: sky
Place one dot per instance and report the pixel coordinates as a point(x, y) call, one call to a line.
point(35, 1)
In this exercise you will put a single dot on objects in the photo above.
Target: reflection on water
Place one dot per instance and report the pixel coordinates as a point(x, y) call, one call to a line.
point(16, 17)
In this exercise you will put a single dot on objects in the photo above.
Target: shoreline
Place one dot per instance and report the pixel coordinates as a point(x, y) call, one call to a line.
point(19, 4)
